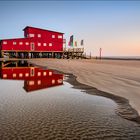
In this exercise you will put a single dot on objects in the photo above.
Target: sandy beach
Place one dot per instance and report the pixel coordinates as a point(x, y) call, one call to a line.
point(118, 77)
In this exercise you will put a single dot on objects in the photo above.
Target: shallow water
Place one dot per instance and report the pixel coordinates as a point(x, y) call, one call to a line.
point(59, 112)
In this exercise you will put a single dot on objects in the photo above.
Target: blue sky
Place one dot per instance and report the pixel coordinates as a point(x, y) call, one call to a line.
point(113, 26)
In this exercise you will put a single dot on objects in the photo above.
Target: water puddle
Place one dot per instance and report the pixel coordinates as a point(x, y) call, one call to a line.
point(37, 103)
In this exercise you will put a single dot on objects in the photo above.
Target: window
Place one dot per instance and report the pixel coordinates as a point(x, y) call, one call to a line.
point(4, 75)
point(20, 43)
point(32, 72)
point(53, 36)
point(20, 75)
point(39, 74)
point(14, 43)
point(50, 73)
point(4, 42)
point(27, 43)
point(44, 73)
point(44, 44)
point(53, 81)
point(31, 83)
point(39, 35)
point(39, 44)
point(31, 35)
point(50, 44)
point(32, 45)
point(59, 81)
point(26, 74)
point(59, 36)
point(14, 75)
point(39, 82)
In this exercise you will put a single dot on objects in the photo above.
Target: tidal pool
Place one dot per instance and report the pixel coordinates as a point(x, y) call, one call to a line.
point(40, 105)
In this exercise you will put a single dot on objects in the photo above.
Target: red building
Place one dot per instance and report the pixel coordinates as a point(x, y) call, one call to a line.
point(36, 43)
point(34, 78)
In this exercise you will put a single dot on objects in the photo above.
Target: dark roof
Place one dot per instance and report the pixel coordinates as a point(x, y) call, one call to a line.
point(13, 38)
point(41, 29)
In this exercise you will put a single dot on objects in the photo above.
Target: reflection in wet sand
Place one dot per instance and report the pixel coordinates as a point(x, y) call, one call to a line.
point(34, 77)
point(61, 112)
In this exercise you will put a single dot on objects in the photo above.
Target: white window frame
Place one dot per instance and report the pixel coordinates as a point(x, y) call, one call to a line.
point(60, 81)
point(14, 75)
point(39, 35)
point(53, 36)
point(4, 42)
point(60, 36)
point(44, 73)
point(4, 75)
point(50, 73)
point(39, 82)
point(39, 74)
point(20, 43)
point(39, 44)
point(44, 44)
point(14, 43)
point(20, 74)
point(26, 74)
point(31, 35)
point(31, 83)
point(53, 81)
point(27, 43)
point(50, 44)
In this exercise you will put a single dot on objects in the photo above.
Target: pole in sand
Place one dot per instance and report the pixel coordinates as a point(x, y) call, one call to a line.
point(100, 53)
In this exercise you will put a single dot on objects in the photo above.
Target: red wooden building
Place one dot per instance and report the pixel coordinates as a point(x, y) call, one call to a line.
point(36, 43)
point(34, 78)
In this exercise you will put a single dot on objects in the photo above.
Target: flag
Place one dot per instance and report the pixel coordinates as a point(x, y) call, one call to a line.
point(75, 43)
point(82, 42)
point(69, 43)
point(71, 40)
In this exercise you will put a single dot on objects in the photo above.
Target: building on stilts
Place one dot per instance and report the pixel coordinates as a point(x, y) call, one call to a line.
point(38, 43)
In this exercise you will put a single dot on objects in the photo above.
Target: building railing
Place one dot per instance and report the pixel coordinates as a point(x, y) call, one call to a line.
point(73, 49)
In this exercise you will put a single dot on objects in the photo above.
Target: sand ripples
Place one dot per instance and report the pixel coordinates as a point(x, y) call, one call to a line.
point(61, 113)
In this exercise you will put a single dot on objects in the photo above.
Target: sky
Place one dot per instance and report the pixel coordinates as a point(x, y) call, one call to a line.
point(113, 26)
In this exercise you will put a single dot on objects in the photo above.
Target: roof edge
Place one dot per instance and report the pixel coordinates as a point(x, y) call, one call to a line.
point(41, 29)
point(13, 38)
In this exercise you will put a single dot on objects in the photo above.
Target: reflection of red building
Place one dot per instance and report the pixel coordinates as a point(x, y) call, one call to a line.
point(34, 78)
point(40, 83)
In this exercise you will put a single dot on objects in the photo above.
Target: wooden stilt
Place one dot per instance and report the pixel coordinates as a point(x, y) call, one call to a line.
point(2, 64)
point(2, 54)
point(16, 64)
point(52, 54)
point(16, 54)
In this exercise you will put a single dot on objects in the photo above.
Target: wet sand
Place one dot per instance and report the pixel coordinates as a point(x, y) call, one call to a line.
point(60, 113)
point(118, 77)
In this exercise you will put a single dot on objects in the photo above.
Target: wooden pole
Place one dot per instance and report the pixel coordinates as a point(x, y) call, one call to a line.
point(90, 55)
point(16, 55)
point(2, 64)
point(52, 54)
point(100, 53)
point(2, 54)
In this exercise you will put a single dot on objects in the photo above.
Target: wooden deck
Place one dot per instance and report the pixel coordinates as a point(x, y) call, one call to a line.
point(67, 53)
